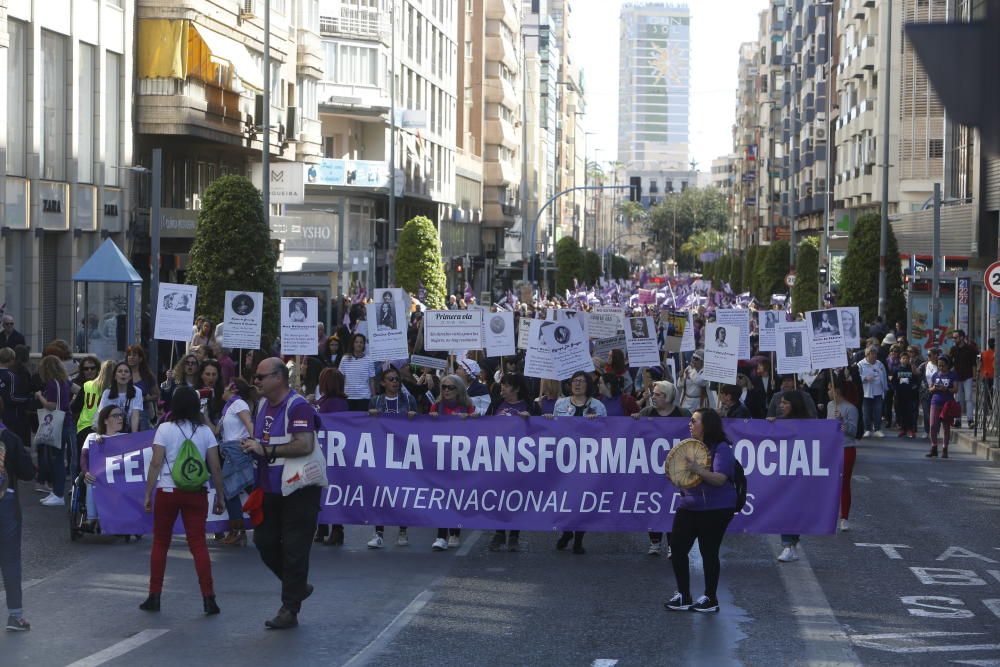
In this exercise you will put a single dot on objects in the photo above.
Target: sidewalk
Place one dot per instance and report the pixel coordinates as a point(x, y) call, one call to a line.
point(987, 449)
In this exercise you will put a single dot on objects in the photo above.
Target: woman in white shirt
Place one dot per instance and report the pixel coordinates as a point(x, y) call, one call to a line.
point(359, 374)
point(693, 387)
point(185, 423)
point(234, 426)
point(108, 424)
point(125, 395)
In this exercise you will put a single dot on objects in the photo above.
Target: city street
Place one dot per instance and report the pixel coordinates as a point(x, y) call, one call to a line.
point(915, 582)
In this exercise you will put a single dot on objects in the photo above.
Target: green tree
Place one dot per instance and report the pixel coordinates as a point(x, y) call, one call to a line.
point(704, 241)
point(418, 261)
point(632, 211)
point(620, 268)
point(805, 292)
point(569, 263)
point(771, 270)
point(232, 250)
point(687, 212)
point(736, 274)
point(859, 274)
point(749, 264)
point(591, 267)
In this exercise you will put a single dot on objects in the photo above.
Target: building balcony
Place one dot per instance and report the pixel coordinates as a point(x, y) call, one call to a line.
point(500, 174)
point(499, 214)
point(501, 132)
point(503, 10)
point(500, 91)
point(351, 22)
point(500, 49)
point(309, 62)
point(191, 107)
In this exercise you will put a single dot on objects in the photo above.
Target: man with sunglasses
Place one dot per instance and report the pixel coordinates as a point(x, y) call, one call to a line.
point(9, 336)
point(285, 428)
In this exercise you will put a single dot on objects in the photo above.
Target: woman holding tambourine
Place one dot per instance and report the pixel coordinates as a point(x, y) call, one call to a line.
point(706, 507)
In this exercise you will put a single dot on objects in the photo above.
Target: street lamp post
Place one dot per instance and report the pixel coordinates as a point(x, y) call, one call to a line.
point(824, 255)
point(886, 97)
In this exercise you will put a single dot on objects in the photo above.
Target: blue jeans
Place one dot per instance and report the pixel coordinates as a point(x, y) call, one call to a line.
point(871, 413)
point(91, 503)
point(10, 549)
point(789, 540)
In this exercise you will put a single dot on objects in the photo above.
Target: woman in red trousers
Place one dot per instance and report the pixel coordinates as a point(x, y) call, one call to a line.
point(185, 423)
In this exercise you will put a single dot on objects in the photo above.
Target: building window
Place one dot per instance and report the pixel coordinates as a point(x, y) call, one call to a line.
point(112, 117)
point(85, 114)
point(935, 149)
point(17, 101)
point(53, 119)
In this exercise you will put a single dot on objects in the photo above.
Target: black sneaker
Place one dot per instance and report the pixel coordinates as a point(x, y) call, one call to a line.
point(15, 624)
point(678, 603)
point(705, 605)
point(497, 542)
point(513, 545)
point(563, 541)
point(283, 621)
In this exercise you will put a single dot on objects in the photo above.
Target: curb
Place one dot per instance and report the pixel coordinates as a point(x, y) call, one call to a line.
point(989, 451)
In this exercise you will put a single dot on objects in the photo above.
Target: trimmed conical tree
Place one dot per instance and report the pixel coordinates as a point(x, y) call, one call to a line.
point(591, 267)
point(748, 270)
point(569, 263)
point(418, 261)
point(805, 293)
point(859, 273)
point(232, 250)
point(771, 270)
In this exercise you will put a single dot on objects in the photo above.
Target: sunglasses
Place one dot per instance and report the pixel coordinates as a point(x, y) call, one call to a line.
point(448, 387)
point(260, 377)
point(392, 379)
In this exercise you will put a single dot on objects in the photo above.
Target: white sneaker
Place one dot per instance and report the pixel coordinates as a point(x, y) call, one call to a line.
point(51, 495)
point(440, 544)
point(879, 434)
point(867, 434)
point(375, 542)
point(54, 501)
point(402, 540)
point(844, 526)
point(788, 555)
point(453, 542)
point(655, 549)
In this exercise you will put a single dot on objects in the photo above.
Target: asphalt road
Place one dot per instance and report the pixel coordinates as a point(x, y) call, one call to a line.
point(933, 598)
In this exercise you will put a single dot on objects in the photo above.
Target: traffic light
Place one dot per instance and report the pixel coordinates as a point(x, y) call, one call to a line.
point(459, 268)
point(635, 188)
point(823, 275)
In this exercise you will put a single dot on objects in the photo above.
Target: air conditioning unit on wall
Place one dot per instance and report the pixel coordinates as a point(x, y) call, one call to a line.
point(820, 134)
point(247, 9)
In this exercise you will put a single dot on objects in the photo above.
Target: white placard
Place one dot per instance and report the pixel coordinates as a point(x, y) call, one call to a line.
point(299, 315)
point(556, 350)
point(244, 315)
point(640, 342)
point(826, 343)
point(603, 346)
point(523, 333)
point(387, 325)
point(849, 318)
point(792, 347)
point(604, 322)
point(680, 331)
point(175, 312)
point(453, 330)
point(498, 334)
point(767, 320)
point(740, 319)
point(428, 362)
point(721, 353)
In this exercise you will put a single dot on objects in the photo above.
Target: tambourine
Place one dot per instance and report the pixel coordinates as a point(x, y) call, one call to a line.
point(677, 468)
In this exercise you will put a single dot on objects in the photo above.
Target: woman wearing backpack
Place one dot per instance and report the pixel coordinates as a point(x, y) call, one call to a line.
point(703, 513)
point(185, 445)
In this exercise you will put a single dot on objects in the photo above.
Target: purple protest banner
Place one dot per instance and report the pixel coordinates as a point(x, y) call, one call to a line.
point(533, 473)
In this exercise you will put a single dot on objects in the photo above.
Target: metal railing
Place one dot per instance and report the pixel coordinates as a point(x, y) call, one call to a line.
point(987, 417)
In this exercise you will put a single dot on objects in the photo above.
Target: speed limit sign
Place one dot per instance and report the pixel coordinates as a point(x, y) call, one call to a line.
point(992, 279)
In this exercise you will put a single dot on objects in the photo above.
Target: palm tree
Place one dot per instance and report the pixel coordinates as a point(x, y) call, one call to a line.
point(704, 241)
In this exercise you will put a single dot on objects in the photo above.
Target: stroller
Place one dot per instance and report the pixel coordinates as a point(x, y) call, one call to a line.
point(79, 522)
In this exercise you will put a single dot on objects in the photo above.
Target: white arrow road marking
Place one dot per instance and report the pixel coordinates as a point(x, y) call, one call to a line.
point(119, 649)
point(908, 642)
point(603, 662)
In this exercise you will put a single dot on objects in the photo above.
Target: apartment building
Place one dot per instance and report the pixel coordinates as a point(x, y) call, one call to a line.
point(65, 149)
point(739, 172)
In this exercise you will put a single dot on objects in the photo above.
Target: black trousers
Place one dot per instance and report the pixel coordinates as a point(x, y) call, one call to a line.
point(284, 539)
point(708, 528)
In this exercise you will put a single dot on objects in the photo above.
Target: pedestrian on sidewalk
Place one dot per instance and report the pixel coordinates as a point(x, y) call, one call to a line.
point(15, 464)
point(986, 373)
point(944, 407)
point(926, 372)
point(284, 430)
point(875, 382)
point(183, 426)
point(703, 513)
point(906, 394)
point(964, 355)
point(56, 395)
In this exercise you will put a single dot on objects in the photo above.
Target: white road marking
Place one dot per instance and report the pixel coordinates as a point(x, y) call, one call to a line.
point(980, 663)
point(825, 641)
point(934, 480)
point(390, 631)
point(908, 642)
point(470, 542)
point(897, 478)
point(604, 662)
point(861, 478)
point(119, 649)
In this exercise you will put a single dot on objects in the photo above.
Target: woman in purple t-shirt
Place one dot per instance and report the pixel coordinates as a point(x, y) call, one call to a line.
point(942, 389)
point(704, 512)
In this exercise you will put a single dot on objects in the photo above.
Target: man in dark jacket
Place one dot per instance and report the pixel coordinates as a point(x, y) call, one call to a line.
point(15, 464)
point(9, 336)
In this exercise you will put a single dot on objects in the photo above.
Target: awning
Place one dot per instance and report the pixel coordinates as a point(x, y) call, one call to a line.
point(107, 265)
point(230, 52)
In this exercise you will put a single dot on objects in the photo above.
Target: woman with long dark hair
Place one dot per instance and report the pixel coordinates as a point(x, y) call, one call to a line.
point(56, 395)
point(210, 390)
point(359, 373)
point(184, 423)
point(331, 400)
point(235, 424)
point(110, 421)
point(125, 395)
point(703, 513)
point(791, 405)
point(144, 381)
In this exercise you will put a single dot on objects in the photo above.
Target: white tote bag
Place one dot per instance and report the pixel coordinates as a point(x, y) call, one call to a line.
point(50, 424)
